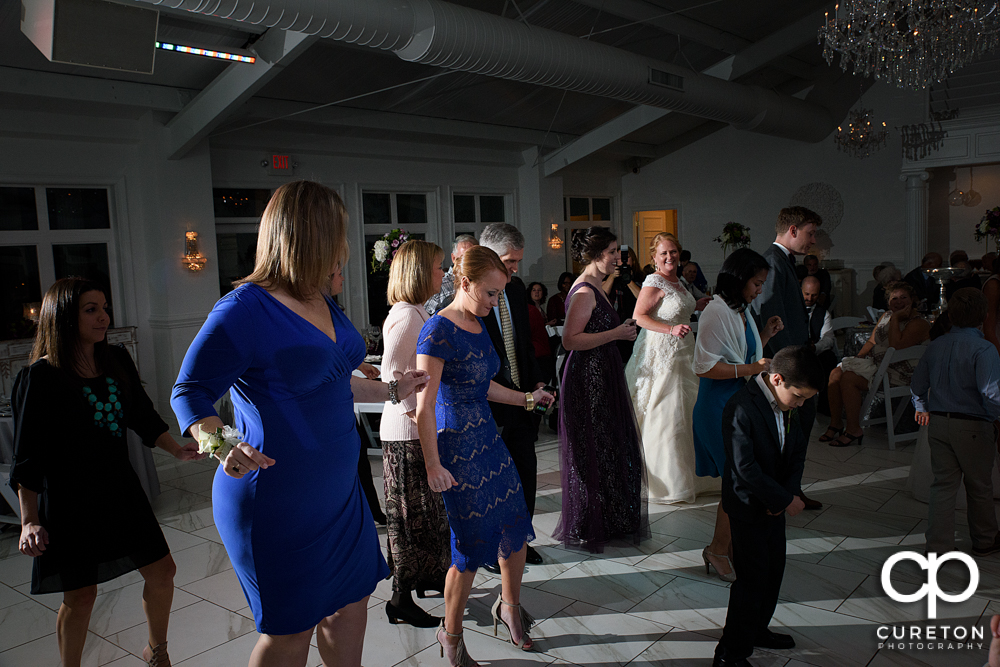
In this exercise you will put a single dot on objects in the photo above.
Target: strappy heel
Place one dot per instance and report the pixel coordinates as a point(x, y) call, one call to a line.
point(526, 622)
point(837, 432)
point(731, 577)
point(157, 655)
point(851, 440)
point(460, 657)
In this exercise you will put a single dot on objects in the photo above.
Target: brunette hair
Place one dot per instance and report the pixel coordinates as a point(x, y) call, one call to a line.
point(660, 238)
point(476, 264)
point(588, 244)
point(967, 307)
point(545, 292)
point(905, 287)
point(738, 269)
point(797, 216)
point(302, 238)
point(799, 367)
point(562, 278)
point(58, 332)
point(410, 272)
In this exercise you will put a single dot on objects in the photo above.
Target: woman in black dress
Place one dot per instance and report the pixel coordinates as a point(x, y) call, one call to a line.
point(84, 516)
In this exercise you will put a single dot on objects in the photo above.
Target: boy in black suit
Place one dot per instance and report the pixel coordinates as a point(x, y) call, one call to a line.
point(765, 455)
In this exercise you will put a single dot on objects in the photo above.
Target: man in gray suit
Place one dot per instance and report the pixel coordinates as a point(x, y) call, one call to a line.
point(781, 294)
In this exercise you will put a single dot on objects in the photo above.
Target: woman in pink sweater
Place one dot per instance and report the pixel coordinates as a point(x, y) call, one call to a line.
point(417, 524)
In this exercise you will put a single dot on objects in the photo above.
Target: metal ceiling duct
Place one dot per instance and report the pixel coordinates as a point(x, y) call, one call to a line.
point(442, 34)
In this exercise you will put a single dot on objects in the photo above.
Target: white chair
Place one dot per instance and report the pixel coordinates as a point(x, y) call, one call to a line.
point(361, 409)
point(8, 494)
point(880, 384)
point(874, 314)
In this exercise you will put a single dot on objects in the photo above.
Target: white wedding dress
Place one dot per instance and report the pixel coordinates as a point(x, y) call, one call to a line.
point(664, 390)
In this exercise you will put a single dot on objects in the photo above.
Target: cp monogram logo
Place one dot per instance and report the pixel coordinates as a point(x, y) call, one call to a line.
point(930, 590)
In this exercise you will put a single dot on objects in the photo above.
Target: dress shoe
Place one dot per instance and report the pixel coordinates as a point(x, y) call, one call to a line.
point(774, 640)
point(723, 661)
point(532, 557)
point(492, 568)
point(810, 503)
point(414, 615)
point(992, 549)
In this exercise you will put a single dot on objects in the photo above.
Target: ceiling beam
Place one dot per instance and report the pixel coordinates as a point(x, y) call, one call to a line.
point(77, 88)
point(749, 59)
point(237, 83)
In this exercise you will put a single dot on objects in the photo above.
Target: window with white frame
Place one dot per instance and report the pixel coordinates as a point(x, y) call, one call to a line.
point(587, 209)
point(51, 233)
point(383, 212)
point(237, 220)
point(472, 212)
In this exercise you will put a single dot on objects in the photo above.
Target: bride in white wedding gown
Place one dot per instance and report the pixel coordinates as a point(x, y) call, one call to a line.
point(663, 385)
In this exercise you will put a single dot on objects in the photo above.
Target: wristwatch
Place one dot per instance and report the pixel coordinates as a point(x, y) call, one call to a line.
point(394, 391)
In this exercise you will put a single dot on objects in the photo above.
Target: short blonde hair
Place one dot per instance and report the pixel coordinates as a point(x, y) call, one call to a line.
point(476, 264)
point(302, 239)
point(660, 238)
point(410, 272)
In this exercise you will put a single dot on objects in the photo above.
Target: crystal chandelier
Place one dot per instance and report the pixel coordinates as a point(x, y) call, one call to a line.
point(920, 140)
point(910, 43)
point(860, 139)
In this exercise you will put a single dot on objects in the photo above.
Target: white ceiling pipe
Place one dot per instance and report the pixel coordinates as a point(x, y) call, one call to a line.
point(442, 34)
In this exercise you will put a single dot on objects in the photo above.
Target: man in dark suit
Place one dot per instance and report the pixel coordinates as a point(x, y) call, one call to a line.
point(795, 233)
point(810, 267)
point(518, 367)
point(765, 456)
point(927, 288)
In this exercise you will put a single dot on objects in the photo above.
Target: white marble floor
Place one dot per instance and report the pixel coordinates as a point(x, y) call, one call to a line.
point(651, 605)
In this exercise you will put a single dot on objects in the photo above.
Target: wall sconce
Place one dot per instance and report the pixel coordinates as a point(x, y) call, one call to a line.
point(30, 310)
point(555, 241)
point(193, 259)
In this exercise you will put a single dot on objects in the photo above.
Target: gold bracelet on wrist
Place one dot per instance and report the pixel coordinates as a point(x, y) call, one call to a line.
point(529, 401)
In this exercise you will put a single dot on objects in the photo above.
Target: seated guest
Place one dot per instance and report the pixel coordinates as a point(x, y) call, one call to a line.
point(821, 337)
point(556, 308)
point(761, 483)
point(900, 327)
point(962, 280)
point(885, 274)
point(447, 291)
point(964, 370)
point(537, 293)
point(689, 279)
point(810, 267)
point(988, 260)
point(928, 293)
point(700, 280)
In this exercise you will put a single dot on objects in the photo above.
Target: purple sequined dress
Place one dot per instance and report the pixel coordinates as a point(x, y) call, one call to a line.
point(603, 479)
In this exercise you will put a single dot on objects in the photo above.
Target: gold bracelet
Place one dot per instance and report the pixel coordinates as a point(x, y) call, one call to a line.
point(529, 401)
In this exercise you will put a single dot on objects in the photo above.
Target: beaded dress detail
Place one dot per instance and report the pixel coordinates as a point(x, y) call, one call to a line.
point(603, 480)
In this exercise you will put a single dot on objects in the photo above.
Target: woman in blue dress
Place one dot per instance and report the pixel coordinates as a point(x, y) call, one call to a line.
point(728, 350)
point(287, 500)
point(465, 458)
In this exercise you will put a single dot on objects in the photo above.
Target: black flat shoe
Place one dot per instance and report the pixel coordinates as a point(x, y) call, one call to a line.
point(532, 557)
point(774, 640)
point(416, 616)
point(493, 568)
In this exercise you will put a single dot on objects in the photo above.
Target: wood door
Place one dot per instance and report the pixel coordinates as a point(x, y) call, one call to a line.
point(647, 224)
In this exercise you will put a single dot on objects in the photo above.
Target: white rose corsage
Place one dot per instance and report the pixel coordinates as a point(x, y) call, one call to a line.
point(219, 443)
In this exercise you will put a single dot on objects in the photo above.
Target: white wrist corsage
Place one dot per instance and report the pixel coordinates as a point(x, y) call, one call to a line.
point(219, 444)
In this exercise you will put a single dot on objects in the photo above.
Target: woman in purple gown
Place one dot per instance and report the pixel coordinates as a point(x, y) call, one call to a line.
point(603, 478)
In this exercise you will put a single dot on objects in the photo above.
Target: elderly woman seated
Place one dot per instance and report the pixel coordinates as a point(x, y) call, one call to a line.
point(900, 327)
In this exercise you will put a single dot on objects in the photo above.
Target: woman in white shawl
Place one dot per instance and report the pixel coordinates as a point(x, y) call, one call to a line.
point(728, 349)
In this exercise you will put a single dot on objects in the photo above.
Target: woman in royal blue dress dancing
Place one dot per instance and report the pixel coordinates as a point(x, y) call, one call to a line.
point(465, 458)
point(287, 500)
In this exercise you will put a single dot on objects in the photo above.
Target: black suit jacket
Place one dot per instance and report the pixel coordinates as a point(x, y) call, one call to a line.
point(759, 476)
point(781, 295)
point(526, 362)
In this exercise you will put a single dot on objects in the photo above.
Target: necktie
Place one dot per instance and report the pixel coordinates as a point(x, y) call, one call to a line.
point(791, 258)
point(508, 340)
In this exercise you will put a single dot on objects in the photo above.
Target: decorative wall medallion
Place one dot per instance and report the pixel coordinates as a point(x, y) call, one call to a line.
point(824, 199)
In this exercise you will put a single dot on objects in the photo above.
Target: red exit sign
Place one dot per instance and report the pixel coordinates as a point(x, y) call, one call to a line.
point(280, 164)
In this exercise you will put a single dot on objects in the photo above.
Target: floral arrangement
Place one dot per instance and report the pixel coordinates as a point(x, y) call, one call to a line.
point(219, 443)
point(386, 248)
point(989, 226)
point(733, 235)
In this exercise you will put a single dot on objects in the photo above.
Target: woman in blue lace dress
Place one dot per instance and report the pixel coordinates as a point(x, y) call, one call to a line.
point(603, 478)
point(466, 459)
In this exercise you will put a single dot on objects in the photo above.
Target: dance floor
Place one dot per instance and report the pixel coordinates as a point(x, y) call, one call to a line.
point(637, 606)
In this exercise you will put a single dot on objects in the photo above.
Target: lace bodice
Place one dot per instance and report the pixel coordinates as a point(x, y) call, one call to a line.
point(677, 304)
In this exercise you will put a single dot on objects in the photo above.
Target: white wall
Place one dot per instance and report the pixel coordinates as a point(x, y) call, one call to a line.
point(745, 177)
point(958, 223)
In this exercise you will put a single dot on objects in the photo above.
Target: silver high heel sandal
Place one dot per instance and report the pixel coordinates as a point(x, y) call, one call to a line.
point(460, 657)
point(731, 577)
point(526, 622)
point(157, 655)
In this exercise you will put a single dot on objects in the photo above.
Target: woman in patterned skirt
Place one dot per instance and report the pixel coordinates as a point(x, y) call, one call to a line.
point(466, 460)
point(417, 524)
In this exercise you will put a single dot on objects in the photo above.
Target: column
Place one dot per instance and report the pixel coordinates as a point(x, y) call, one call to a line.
point(916, 215)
